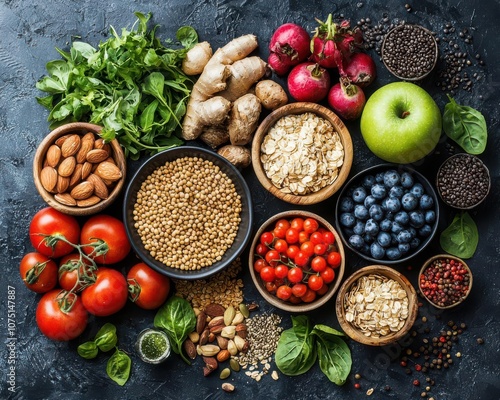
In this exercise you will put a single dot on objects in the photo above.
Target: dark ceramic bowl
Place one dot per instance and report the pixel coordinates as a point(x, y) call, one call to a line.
point(244, 229)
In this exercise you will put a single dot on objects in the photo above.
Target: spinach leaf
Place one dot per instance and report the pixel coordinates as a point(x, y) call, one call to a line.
point(106, 338)
point(177, 319)
point(187, 36)
point(118, 367)
point(296, 353)
point(466, 126)
point(333, 354)
point(88, 350)
point(461, 237)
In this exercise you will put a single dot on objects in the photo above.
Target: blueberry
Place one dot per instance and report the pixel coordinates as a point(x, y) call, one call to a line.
point(396, 227)
point(368, 181)
point(404, 248)
point(406, 180)
point(371, 227)
point(378, 191)
point(391, 178)
point(404, 236)
point(347, 219)
point(359, 228)
point(396, 191)
point(365, 249)
point(385, 225)
point(392, 204)
point(376, 212)
point(425, 231)
point(368, 239)
point(402, 218)
point(377, 251)
point(384, 239)
point(356, 241)
point(394, 239)
point(413, 231)
point(417, 190)
point(430, 216)
point(409, 201)
point(426, 202)
point(359, 194)
point(360, 212)
point(379, 177)
point(369, 201)
point(417, 219)
point(393, 253)
point(415, 242)
point(348, 232)
point(346, 205)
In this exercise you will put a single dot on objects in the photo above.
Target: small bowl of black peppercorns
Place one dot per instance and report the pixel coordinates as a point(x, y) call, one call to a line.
point(463, 181)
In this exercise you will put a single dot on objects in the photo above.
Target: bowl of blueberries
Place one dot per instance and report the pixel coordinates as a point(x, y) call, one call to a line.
point(387, 213)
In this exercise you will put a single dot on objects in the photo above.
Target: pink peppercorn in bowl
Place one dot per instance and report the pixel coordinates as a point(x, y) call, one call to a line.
point(445, 281)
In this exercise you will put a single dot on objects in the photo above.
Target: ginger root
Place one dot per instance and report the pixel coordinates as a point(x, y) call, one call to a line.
point(271, 94)
point(243, 119)
point(215, 135)
point(196, 58)
point(239, 156)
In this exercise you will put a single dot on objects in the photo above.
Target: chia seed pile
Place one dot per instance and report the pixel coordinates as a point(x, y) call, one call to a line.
point(463, 181)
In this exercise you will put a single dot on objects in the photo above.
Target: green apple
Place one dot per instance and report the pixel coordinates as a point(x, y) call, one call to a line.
point(401, 123)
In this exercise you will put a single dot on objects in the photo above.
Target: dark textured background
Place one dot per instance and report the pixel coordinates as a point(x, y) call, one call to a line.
point(29, 33)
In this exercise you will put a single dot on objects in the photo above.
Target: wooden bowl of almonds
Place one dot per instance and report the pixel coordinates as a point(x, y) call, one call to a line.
point(376, 305)
point(302, 153)
point(76, 172)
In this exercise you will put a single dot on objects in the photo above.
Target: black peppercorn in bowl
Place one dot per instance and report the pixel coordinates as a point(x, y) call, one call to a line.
point(188, 212)
point(463, 181)
point(387, 213)
point(410, 52)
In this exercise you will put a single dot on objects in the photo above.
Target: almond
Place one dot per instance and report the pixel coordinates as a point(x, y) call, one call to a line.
point(83, 190)
point(86, 146)
point(216, 321)
point(76, 176)
point(96, 156)
point(67, 166)
point(214, 310)
point(62, 184)
point(101, 144)
point(190, 348)
point(86, 170)
point(109, 171)
point(48, 178)
point(223, 355)
point(91, 201)
point(59, 141)
point(65, 198)
point(201, 322)
point(111, 160)
point(100, 188)
point(71, 145)
point(53, 155)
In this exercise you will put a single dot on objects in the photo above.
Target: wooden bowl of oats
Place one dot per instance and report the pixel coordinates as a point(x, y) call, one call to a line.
point(302, 153)
point(376, 305)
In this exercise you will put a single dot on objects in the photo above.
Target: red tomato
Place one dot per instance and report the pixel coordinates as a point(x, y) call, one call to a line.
point(328, 275)
point(281, 271)
point(261, 249)
point(281, 246)
point(303, 237)
point(320, 249)
point(284, 292)
point(317, 238)
point(266, 238)
point(334, 259)
point(279, 233)
point(294, 299)
point(38, 272)
point(107, 295)
point(309, 296)
point(292, 251)
point(323, 290)
point(73, 271)
point(259, 264)
point(307, 248)
point(282, 224)
point(297, 224)
point(299, 289)
point(295, 274)
point(329, 237)
point(301, 259)
point(267, 274)
point(147, 288)
point(315, 282)
point(108, 237)
point(271, 287)
point(292, 236)
point(272, 257)
point(318, 264)
point(310, 225)
point(47, 225)
point(56, 324)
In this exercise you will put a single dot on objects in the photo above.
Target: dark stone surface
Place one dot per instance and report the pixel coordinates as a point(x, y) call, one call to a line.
point(29, 33)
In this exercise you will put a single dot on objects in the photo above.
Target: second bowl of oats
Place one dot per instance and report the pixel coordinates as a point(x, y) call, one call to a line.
point(302, 153)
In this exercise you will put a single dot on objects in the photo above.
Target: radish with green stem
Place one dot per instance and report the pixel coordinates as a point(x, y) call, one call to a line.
point(288, 47)
point(308, 82)
point(347, 99)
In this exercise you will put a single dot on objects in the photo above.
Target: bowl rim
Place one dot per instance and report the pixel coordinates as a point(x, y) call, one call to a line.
point(299, 108)
point(273, 300)
point(391, 273)
point(38, 160)
point(426, 265)
point(149, 165)
point(466, 155)
point(436, 52)
point(405, 168)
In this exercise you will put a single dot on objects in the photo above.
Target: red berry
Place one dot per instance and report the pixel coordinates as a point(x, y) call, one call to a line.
point(357, 385)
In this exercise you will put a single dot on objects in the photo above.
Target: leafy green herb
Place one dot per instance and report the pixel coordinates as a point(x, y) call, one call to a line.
point(466, 126)
point(131, 84)
point(177, 319)
point(88, 350)
point(118, 367)
point(461, 237)
point(106, 338)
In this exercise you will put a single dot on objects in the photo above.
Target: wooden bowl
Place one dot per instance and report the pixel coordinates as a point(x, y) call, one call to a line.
point(450, 257)
point(354, 332)
point(80, 128)
point(259, 284)
point(300, 108)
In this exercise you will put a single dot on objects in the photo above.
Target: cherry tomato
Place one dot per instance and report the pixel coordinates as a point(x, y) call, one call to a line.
point(307, 248)
point(147, 288)
point(272, 257)
point(334, 259)
point(323, 290)
point(267, 274)
point(297, 224)
point(281, 246)
point(292, 251)
point(74, 274)
point(282, 223)
point(310, 225)
point(48, 224)
point(294, 299)
point(301, 259)
point(299, 289)
point(292, 236)
point(280, 233)
point(107, 295)
point(328, 275)
point(108, 237)
point(309, 296)
point(295, 274)
point(320, 249)
point(329, 237)
point(318, 264)
point(303, 237)
point(57, 324)
point(271, 287)
point(281, 271)
point(266, 238)
point(284, 292)
point(261, 249)
point(38, 272)
point(258, 264)
point(315, 282)
point(317, 238)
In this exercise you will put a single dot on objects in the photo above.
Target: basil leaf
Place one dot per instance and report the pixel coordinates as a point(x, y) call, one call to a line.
point(466, 126)
point(88, 350)
point(176, 317)
point(461, 237)
point(296, 353)
point(187, 36)
point(333, 354)
point(118, 367)
point(106, 338)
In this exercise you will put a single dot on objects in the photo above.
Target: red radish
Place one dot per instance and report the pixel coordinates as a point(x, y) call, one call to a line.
point(308, 82)
point(289, 46)
point(361, 69)
point(347, 99)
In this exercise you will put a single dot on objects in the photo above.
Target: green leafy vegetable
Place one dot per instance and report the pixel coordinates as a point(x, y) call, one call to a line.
point(88, 350)
point(177, 319)
point(106, 338)
point(131, 84)
point(466, 126)
point(118, 367)
point(461, 237)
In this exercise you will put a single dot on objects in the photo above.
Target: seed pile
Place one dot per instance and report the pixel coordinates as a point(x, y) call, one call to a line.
point(463, 181)
point(187, 213)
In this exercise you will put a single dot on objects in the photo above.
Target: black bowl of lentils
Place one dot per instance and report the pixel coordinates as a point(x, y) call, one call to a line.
point(188, 212)
point(463, 181)
point(410, 52)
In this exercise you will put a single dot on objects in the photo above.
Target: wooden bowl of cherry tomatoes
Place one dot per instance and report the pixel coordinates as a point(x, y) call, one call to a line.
point(297, 261)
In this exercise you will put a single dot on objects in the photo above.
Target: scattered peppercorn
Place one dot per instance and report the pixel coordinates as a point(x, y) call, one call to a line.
point(357, 376)
point(480, 340)
point(387, 388)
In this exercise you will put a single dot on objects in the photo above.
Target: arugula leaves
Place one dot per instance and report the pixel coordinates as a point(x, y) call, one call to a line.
point(132, 85)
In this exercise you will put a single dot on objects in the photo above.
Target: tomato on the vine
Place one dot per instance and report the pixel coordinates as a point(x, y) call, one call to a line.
point(294, 299)
point(74, 273)
point(301, 259)
point(317, 238)
point(267, 274)
point(297, 224)
point(282, 224)
point(315, 282)
point(299, 289)
point(292, 236)
point(318, 264)
point(107, 295)
point(50, 228)
point(295, 274)
point(261, 249)
point(307, 248)
point(281, 271)
point(303, 237)
point(271, 287)
point(292, 251)
point(328, 275)
point(38, 272)
point(323, 290)
point(310, 225)
point(147, 288)
point(320, 249)
point(258, 264)
point(279, 233)
point(266, 238)
point(329, 237)
point(283, 292)
point(309, 296)
point(281, 246)
point(272, 257)
point(334, 259)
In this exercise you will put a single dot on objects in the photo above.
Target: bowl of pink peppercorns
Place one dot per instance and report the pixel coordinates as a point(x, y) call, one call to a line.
point(445, 281)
